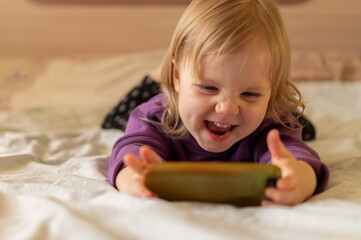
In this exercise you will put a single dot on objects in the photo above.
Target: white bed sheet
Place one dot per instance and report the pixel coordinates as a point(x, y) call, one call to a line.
point(53, 165)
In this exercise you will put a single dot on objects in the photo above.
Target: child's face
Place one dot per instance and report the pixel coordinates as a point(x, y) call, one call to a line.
point(229, 99)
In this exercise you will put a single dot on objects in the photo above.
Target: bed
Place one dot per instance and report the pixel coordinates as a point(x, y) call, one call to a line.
point(54, 155)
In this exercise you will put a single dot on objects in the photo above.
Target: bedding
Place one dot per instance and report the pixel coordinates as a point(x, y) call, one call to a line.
point(54, 156)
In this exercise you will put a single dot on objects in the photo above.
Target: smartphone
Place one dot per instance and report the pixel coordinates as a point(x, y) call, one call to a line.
point(240, 184)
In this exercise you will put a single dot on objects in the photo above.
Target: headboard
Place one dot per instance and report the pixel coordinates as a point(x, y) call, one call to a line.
point(29, 28)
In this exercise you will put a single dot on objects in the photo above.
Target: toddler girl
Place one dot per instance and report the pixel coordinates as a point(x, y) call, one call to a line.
point(227, 97)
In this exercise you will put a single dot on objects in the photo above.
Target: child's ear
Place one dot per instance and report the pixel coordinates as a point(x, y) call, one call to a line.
point(176, 79)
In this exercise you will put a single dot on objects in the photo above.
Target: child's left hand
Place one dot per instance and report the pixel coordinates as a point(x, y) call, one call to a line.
point(298, 180)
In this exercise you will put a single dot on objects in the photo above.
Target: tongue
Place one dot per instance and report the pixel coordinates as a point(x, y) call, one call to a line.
point(217, 130)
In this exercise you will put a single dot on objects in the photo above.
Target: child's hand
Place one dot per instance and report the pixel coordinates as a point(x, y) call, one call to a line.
point(130, 179)
point(298, 180)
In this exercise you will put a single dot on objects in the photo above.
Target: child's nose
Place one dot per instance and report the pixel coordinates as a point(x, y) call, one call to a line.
point(227, 107)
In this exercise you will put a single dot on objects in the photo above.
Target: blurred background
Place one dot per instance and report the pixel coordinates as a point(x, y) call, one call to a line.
point(47, 28)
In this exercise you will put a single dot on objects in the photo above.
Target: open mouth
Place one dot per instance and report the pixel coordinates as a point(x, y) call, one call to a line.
point(219, 129)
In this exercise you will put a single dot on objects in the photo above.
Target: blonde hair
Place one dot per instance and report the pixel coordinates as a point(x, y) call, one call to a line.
point(222, 27)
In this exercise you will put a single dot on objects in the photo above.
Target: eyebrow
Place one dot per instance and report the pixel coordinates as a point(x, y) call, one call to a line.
point(259, 85)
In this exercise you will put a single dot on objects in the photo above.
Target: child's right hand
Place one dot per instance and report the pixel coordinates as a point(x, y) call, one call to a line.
point(130, 179)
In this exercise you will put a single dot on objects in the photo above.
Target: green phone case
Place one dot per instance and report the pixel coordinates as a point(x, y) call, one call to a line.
point(235, 183)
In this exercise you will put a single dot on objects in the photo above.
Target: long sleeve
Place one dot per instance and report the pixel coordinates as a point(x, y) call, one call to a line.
point(139, 132)
point(292, 139)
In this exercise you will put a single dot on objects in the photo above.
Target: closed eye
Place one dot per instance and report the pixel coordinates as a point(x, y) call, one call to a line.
point(208, 89)
point(250, 95)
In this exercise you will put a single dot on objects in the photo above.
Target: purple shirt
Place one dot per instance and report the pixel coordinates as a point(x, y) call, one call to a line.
point(252, 148)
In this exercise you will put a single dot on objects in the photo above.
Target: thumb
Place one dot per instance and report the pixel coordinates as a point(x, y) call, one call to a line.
point(149, 156)
point(280, 156)
point(275, 145)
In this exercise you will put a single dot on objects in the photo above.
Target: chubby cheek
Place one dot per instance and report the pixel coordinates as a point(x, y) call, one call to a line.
point(192, 111)
point(254, 116)
point(189, 111)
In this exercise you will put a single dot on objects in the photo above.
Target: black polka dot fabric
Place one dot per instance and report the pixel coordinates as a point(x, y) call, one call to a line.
point(118, 117)
point(308, 130)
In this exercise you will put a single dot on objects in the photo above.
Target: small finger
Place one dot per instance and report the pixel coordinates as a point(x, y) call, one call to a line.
point(134, 163)
point(149, 156)
point(138, 189)
point(273, 143)
point(276, 146)
point(146, 193)
point(288, 198)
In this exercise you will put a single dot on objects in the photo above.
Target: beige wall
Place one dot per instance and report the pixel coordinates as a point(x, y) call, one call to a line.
point(46, 30)
point(324, 24)
point(38, 30)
